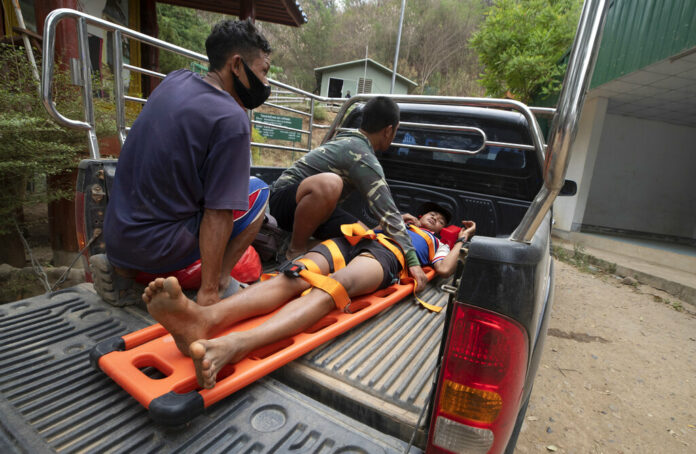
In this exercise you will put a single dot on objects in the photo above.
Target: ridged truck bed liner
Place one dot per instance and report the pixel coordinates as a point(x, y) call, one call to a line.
point(52, 400)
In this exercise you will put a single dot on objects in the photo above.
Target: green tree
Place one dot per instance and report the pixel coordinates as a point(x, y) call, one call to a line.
point(184, 27)
point(520, 44)
point(34, 147)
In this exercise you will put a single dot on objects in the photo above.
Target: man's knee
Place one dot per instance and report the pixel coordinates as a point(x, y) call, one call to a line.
point(327, 186)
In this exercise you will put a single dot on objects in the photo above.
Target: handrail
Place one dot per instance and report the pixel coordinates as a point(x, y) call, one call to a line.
point(555, 157)
point(507, 104)
point(48, 62)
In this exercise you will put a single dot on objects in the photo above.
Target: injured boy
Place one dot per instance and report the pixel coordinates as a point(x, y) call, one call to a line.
point(361, 263)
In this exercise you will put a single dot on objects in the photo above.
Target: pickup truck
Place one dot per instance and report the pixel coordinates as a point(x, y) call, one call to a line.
point(406, 380)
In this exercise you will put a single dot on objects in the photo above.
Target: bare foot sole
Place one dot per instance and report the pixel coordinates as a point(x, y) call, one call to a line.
point(209, 356)
point(179, 315)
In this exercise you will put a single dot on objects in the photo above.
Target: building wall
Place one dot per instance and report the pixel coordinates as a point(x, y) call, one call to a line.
point(381, 82)
point(644, 178)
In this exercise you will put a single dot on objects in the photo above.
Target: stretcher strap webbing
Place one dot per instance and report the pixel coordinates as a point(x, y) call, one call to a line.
point(335, 289)
point(356, 232)
point(428, 240)
point(337, 258)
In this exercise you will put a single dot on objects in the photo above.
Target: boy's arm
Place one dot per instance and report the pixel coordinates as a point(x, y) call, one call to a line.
point(446, 266)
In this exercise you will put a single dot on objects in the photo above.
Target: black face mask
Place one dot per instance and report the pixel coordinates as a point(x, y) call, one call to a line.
point(256, 94)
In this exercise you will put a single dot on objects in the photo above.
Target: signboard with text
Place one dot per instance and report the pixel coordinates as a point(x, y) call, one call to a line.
point(270, 132)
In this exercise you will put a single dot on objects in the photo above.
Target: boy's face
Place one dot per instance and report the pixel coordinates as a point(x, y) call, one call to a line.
point(433, 221)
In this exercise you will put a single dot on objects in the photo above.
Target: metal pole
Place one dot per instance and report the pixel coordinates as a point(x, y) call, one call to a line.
point(25, 38)
point(364, 73)
point(398, 44)
point(119, 90)
point(86, 73)
point(564, 126)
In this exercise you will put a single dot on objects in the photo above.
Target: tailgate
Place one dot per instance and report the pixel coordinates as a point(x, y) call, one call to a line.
point(51, 400)
point(380, 372)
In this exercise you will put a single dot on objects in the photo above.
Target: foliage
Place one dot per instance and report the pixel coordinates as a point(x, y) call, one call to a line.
point(520, 44)
point(184, 27)
point(33, 145)
point(433, 49)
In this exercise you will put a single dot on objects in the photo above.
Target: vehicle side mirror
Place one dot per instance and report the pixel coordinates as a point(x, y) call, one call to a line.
point(569, 188)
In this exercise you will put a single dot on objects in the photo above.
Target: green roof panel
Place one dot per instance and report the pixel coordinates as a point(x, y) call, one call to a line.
point(641, 32)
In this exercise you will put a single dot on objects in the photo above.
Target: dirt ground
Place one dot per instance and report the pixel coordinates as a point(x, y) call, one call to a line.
point(618, 374)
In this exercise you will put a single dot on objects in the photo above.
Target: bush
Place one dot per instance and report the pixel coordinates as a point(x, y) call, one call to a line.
point(33, 145)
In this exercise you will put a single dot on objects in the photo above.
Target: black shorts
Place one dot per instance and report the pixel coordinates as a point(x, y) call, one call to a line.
point(390, 264)
point(283, 205)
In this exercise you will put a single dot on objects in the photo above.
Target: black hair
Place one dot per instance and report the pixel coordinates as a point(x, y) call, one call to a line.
point(432, 206)
point(234, 36)
point(379, 113)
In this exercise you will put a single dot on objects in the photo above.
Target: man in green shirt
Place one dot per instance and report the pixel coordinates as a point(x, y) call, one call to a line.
point(304, 199)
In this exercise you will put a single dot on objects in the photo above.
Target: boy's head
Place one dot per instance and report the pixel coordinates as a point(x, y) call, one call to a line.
point(434, 217)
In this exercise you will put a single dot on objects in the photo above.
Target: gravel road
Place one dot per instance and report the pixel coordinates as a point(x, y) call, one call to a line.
point(618, 374)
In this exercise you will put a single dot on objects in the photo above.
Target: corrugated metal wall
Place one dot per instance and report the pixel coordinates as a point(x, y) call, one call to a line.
point(640, 32)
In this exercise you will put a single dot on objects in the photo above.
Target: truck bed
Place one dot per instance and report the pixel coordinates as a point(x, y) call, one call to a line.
point(52, 400)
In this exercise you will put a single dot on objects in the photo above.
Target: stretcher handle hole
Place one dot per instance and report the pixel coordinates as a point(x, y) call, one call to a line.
point(357, 305)
point(321, 324)
point(152, 367)
point(385, 292)
point(225, 372)
point(268, 350)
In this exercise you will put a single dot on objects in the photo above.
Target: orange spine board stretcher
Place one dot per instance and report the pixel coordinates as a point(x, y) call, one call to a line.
point(177, 398)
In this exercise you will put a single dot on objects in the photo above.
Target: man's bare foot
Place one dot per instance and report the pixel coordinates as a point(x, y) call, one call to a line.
point(209, 356)
point(183, 318)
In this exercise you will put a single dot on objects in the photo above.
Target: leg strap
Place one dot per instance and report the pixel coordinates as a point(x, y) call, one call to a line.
point(335, 289)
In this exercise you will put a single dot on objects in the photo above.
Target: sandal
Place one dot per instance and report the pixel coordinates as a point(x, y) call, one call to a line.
point(113, 288)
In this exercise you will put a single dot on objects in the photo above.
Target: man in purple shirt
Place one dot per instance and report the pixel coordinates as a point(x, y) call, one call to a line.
point(182, 187)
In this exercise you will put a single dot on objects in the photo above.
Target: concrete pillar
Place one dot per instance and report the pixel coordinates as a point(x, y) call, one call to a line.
point(569, 211)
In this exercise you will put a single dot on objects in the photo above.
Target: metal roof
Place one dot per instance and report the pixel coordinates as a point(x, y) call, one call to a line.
point(646, 65)
point(377, 65)
point(641, 32)
point(284, 12)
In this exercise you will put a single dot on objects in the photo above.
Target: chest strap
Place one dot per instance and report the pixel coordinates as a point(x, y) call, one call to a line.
point(428, 239)
point(356, 232)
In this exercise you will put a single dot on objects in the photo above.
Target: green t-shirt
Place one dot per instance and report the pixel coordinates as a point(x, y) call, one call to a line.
point(350, 156)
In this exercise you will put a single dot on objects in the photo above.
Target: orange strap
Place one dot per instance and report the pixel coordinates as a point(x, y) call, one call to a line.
point(312, 275)
point(356, 232)
point(335, 289)
point(339, 261)
point(428, 239)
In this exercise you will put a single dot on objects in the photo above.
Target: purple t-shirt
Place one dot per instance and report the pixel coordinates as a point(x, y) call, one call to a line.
point(188, 150)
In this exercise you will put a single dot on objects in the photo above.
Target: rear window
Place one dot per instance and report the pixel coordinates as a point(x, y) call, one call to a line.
point(500, 157)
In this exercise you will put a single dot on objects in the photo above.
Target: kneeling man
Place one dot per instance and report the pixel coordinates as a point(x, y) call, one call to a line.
point(304, 198)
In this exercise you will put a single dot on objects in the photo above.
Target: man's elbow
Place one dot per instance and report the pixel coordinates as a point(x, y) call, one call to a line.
point(442, 270)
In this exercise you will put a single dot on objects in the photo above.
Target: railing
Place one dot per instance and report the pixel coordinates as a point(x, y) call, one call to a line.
point(85, 70)
point(563, 129)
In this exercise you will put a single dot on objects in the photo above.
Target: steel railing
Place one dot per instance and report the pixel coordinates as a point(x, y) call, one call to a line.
point(555, 159)
point(120, 96)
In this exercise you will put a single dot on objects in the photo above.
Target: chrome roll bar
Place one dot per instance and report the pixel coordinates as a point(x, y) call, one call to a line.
point(555, 158)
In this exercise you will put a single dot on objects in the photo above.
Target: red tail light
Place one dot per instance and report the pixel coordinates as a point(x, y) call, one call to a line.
point(480, 384)
point(81, 233)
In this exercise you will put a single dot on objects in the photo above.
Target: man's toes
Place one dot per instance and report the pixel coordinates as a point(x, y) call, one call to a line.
point(172, 287)
point(197, 350)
